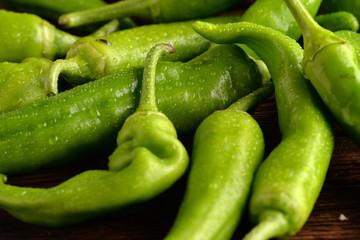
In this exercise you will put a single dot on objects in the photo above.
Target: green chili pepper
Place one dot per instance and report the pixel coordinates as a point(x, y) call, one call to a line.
point(22, 83)
point(275, 14)
point(148, 160)
point(91, 58)
point(289, 180)
point(27, 35)
point(337, 21)
point(228, 147)
point(81, 122)
point(51, 9)
point(332, 66)
point(155, 10)
point(352, 6)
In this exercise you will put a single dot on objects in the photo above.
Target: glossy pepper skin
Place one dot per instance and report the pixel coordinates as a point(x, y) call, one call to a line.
point(92, 57)
point(352, 6)
point(353, 38)
point(227, 149)
point(338, 21)
point(290, 179)
point(155, 10)
point(275, 14)
point(26, 35)
point(82, 121)
point(149, 158)
point(22, 83)
point(339, 87)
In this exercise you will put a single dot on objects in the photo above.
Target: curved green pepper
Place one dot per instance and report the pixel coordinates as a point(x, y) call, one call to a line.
point(22, 83)
point(155, 10)
point(148, 160)
point(332, 66)
point(26, 35)
point(227, 149)
point(337, 21)
point(81, 122)
point(289, 180)
point(91, 58)
point(275, 14)
point(352, 6)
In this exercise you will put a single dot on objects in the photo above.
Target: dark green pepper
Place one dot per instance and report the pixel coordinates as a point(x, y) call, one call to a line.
point(149, 159)
point(290, 179)
point(51, 9)
point(228, 147)
point(81, 122)
point(27, 35)
point(352, 6)
point(91, 58)
point(22, 83)
point(155, 10)
point(337, 21)
point(275, 14)
point(332, 66)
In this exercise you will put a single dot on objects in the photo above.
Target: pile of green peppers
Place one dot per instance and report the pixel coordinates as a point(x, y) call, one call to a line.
point(151, 71)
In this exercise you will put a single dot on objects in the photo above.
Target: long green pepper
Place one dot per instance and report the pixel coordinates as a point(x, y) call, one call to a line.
point(82, 121)
point(25, 35)
point(339, 86)
point(149, 158)
point(154, 10)
point(290, 179)
point(228, 147)
point(94, 57)
point(51, 9)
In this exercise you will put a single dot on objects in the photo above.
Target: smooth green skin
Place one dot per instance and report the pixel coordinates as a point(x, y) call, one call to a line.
point(338, 87)
point(227, 149)
point(275, 14)
point(353, 38)
point(91, 58)
point(352, 6)
point(52, 9)
point(149, 159)
point(22, 83)
point(27, 35)
point(81, 122)
point(289, 180)
point(154, 10)
point(337, 21)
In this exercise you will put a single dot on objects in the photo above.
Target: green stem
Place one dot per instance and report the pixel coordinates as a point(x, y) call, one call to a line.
point(147, 97)
point(272, 224)
point(120, 9)
point(315, 36)
point(305, 21)
point(254, 98)
point(52, 78)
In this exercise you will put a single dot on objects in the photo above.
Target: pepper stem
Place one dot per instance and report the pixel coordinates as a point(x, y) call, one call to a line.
point(254, 98)
point(120, 9)
point(272, 224)
point(315, 36)
point(147, 97)
point(52, 77)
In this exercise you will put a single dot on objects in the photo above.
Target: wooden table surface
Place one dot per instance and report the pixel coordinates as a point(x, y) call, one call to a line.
point(336, 214)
